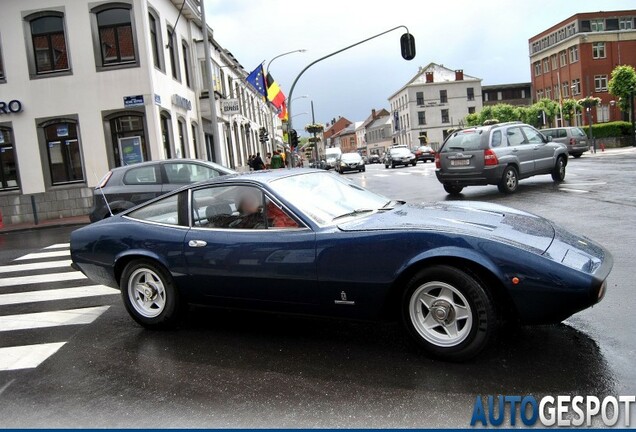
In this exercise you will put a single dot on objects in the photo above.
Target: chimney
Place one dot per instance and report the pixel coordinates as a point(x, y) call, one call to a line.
point(459, 75)
point(373, 114)
point(429, 77)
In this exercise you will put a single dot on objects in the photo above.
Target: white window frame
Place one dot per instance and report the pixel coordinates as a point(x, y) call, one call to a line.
point(600, 83)
point(574, 54)
point(598, 50)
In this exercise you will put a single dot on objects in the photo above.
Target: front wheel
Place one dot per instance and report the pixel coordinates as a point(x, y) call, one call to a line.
point(577, 155)
point(558, 173)
point(509, 181)
point(453, 190)
point(149, 294)
point(414, 163)
point(448, 313)
point(386, 167)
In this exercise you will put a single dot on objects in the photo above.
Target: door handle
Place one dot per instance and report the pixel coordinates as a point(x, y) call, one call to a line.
point(197, 243)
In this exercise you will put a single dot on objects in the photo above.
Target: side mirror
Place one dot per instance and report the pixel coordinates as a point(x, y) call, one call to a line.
point(549, 138)
point(407, 45)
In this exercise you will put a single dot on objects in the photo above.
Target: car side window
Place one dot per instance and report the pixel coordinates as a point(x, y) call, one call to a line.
point(228, 207)
point(563, 133)
point(143, 175)
point(532, 135)
point(496, 139)
point(165, 211)
point(515, 137)
point(186, 173)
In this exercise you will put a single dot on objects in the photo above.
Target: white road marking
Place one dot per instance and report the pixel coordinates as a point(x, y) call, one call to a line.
point(27, 356)
point(50, 319)
point(585, 184)
point(403, 173)
point(35, 266)
point(573, 190)
point(37, 255)
point(381, 175)
point(56, 294)
point(43, 278)
point(59, 246)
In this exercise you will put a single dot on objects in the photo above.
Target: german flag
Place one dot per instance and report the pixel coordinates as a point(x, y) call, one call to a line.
point(274, 94)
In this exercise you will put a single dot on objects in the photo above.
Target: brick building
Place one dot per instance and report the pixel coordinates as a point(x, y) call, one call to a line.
point(347, 139)
point(335, 126)
point(575, 59)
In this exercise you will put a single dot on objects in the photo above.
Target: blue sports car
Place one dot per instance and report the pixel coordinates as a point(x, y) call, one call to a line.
point(310, 242)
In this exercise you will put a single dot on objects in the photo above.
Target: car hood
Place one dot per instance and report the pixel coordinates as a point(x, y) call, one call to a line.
point(524, 230)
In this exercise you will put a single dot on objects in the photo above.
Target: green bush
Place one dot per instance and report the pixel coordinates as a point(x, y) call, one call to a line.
point(609, 130)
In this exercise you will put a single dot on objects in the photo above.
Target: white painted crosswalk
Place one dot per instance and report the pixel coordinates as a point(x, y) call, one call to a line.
point(21, 288)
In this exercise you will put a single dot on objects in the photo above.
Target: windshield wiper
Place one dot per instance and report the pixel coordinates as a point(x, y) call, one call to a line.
point(390, 205)
point(353, 213)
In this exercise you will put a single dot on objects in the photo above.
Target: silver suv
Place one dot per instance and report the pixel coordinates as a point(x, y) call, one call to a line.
point(500, 154)
point(573, 137)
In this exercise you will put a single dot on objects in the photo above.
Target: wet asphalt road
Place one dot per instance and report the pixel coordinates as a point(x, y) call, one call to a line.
point(241, 369)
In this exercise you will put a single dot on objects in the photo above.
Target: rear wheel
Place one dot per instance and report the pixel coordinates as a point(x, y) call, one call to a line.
point(393, 165)
point(149, 294)
point(414, 163)
point(448, 313)
point(509, 181)
point(558, 173)
point(453, 190)
point(577, 155)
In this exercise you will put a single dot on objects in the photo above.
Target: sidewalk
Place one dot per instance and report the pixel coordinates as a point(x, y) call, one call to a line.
point(51, 223)
point(610, 151)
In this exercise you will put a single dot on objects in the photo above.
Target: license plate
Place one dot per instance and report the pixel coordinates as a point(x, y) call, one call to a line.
point(460, 162)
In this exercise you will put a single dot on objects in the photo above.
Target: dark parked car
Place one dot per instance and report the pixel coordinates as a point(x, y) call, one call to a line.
point(127, 186)
point(350, 162)
point(573, 137)
point(374, 159)
point(399, 155)
point(309, 242)
point(424, 154)
point(500, 154)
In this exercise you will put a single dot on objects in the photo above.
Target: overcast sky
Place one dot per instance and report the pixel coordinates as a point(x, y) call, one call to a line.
point(487, 39)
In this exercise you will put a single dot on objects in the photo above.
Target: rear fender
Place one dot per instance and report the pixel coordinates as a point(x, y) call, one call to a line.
point(124, 257)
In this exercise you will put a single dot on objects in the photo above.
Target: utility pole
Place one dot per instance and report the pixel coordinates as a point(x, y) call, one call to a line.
point(589, 113)
point(631, 112)
point(313, 122)
point(210, 88)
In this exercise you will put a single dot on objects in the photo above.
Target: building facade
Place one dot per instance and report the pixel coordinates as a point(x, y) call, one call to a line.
point(379, 135)
point(93, 85)
point(575, 59)
point(347, 139)
point(518, 94)
point(434, 101)
point(332, 129)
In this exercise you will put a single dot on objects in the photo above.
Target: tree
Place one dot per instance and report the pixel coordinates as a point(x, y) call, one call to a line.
point(570, 108)
point(622, 85)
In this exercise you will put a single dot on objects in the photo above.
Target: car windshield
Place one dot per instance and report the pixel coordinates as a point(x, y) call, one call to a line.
point(332, 156)
point(325, 197)
point(425, 149)
point(351, 157)
point(400, 152)
point(464, 140)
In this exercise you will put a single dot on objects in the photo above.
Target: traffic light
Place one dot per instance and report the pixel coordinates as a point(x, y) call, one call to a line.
point(263, 136)
point(407, 46)
point(293, 138)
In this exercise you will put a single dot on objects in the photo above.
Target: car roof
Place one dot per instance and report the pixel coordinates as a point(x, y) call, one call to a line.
point(165, 161)
point(262, 177)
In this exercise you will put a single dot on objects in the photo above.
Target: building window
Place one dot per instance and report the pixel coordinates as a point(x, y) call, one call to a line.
point(421, 118)
point(576, 87)
point(181, 150)
point(173, 55)
point(553, 60)
point(48, 39)
point(420, 98)
point(570, 30)
point(546, 66)
point(2, 75)
point(574, 54)
point(195, 139)
point(471, 110)
point(127, 126)
point(8, 165)
point(597, 25)
point(445, 118)
point(156, 43)
point(114, 26)
point(537, 69)
point(64, 153)
point(565, 89)
point(598, 50)
point(186, 62)
point(470, 93)
point(548, 93)
point(443, 96)
point(166, 136)
point(625, 23)
point(539, 94)
point(563, 58)
point(600, 83)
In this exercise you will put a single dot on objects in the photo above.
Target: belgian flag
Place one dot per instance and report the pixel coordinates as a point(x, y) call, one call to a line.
point(274, 93)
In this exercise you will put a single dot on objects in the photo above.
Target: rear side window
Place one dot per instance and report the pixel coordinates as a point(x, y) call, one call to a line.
point(551, 133)
point(165, 211)
point(141, 175)
point(464, 140)
point(563, 133)
point(496, 139)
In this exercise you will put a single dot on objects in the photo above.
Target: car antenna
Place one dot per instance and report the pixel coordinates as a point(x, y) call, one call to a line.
point(103, 194)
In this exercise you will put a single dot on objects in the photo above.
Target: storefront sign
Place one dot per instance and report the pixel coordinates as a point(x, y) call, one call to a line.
point(181, 102)
point(130, 150)
point(230, 106)
point(133, 101)
point(12, 107)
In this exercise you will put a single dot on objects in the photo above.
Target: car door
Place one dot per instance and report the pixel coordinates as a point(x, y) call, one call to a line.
point(520, 150)
point(179, 173)
point(271, 259)
point(140, 184)
point(543, 151)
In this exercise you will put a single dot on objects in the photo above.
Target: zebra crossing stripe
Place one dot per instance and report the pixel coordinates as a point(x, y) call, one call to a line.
point(38, 255)
point(43, 278)
point(50, 319)
point(27, 356)
point(59, 246)
point(35, 266)
point(56, 294)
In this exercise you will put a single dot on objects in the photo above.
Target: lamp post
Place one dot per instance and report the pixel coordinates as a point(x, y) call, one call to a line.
point(631, 112)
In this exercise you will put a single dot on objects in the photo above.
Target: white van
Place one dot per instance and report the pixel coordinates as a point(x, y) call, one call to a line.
point(331, 156)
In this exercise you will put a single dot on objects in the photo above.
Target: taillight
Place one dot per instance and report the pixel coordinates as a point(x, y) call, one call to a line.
point(438, 162)
point(104, 180)
point(572, 141)
point(490, 158)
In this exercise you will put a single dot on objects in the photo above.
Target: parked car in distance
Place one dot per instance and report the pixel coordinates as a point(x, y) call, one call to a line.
point(127, 186)
point(308, 242)
point(500, 154)
point(374, 158)
point(350, 162)
point(573, 137)
point(424, 153)
point(399, 155)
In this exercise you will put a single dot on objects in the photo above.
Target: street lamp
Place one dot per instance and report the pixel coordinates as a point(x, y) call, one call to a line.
point(299, 114)
point(299, 97)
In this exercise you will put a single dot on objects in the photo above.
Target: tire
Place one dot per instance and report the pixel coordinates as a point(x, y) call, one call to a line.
point(414, 163)
point(577, 155)
point(393, 165)
point(558, 173)
point(432, 304)
point(453, 190)
point(509, 180)
point(160, 312)
point(425, 160)
point(386, 167)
